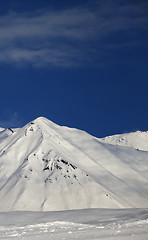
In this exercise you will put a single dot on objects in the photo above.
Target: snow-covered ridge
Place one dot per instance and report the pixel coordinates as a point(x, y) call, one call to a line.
point(137, 140)
point(44, 166)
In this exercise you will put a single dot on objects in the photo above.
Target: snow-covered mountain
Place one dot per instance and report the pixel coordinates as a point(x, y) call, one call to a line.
point(44, 166)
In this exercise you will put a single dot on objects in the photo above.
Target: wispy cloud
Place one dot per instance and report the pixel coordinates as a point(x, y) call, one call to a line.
point(69, 37)
point(11, 121)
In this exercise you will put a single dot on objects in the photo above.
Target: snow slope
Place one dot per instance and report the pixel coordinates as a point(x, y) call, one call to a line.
point(46, 167)
point(86, 224)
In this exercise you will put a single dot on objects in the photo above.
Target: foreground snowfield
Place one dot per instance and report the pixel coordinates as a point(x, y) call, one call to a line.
point(86, 224)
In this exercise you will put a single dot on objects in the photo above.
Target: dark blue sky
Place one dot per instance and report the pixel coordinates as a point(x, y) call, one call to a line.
point(82, 64)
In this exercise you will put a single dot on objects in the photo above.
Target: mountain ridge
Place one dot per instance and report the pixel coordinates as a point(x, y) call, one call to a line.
point(137, 140)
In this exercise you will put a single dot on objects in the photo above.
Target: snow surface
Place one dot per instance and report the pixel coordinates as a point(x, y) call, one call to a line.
point(46, 167)
point(86, 224)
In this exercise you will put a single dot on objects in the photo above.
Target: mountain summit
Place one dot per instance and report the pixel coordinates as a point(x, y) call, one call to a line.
point(44, 166)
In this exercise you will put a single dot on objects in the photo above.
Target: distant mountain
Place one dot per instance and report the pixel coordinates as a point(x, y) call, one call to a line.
point(137, 140)
point(44, 167)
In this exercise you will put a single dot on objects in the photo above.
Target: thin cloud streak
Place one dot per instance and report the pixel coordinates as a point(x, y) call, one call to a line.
point(69, 24)
point(13, 121)
point(67, 38)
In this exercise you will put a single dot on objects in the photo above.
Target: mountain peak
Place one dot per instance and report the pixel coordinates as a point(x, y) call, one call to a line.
point(42, 121)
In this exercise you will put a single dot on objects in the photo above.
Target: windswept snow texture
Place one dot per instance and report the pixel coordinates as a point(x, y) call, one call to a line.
point(86, 224)
point(46, 167)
